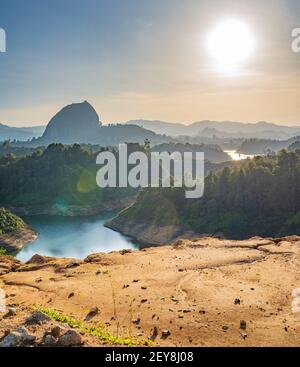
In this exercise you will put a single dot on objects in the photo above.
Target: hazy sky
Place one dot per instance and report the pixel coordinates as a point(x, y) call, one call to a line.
point(146, 59)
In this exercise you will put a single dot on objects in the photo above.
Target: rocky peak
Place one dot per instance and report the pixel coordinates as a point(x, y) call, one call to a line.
point(75, 123)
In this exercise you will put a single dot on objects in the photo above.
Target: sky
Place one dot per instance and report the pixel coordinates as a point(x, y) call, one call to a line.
point(146, 59)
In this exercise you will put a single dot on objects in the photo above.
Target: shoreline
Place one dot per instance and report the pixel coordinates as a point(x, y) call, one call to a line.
point(71, 210)
point(146, 235)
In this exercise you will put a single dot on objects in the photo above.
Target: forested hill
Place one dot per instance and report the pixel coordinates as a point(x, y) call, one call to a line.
point(59, 177)
point(259, 197)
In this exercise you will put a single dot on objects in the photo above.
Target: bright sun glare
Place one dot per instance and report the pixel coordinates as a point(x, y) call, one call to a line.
point(230, 44)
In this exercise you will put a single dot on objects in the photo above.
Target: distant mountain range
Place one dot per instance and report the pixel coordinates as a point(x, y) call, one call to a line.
point(225, 129)
point(80, 123)
point(263, 146)
point(20, 133)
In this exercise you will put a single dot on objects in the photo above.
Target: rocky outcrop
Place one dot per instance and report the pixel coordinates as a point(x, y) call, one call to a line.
point(8, 264)
point(15, 241)
point(76, 123)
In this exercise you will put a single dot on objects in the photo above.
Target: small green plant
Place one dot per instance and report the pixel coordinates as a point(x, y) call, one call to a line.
point(9, 222)
point(95, 330)
point(3, 252)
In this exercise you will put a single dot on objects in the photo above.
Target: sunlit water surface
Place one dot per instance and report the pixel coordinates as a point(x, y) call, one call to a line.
point(238, 157)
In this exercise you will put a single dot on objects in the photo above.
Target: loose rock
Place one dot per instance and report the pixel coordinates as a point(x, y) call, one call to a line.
point(70, 339)
point(165, 334)
point(37, 318)
point(243, 325)
point(56, 331)
point(49, 340)
point(10, 312)
point(18, 338)
point(154, 334)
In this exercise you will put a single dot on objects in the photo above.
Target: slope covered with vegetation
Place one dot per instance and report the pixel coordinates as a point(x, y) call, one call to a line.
point(9, 222)
point(259, 197)
point(60, 176)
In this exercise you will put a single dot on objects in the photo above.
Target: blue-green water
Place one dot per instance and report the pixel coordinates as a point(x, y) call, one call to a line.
point(72, 237)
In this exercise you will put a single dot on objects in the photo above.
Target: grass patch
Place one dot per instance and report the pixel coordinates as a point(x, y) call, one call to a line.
point(97, 331)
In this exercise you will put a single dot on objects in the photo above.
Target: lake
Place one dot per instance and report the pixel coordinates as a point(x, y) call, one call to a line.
point(73, 237)
point(238, 157)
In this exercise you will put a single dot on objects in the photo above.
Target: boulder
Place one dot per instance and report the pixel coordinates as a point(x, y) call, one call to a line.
point(18, 338)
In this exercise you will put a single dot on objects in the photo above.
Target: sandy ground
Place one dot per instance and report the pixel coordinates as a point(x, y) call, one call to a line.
point(205, 292)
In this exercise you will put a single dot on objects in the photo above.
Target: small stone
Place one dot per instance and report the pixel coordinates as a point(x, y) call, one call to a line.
point(72, 294)
point(243, 325)
point(225, 328)
point(136, 321)
point(244, 335)
point(10, 312)
point(165, 334)
point(143, 288)
point(98, 272)
point(140, 334)
point(135, 281)
point(187, 310)
point(237, 301)
point(49, 340)
point(202, 312)
point(56, 331)
point(70, 339)
point(154, 334)
point(94, 310)
point(125, 286)
point(125, 252)
point(38, 280)
point(72, 265)
point(92, 313)
point(144, 300)
point(37, 318)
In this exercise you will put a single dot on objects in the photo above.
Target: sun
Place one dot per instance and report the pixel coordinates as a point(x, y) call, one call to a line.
point(230, 44)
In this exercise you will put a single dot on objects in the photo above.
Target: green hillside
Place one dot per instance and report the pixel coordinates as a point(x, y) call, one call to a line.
point(9, 222)
point(258, 197)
